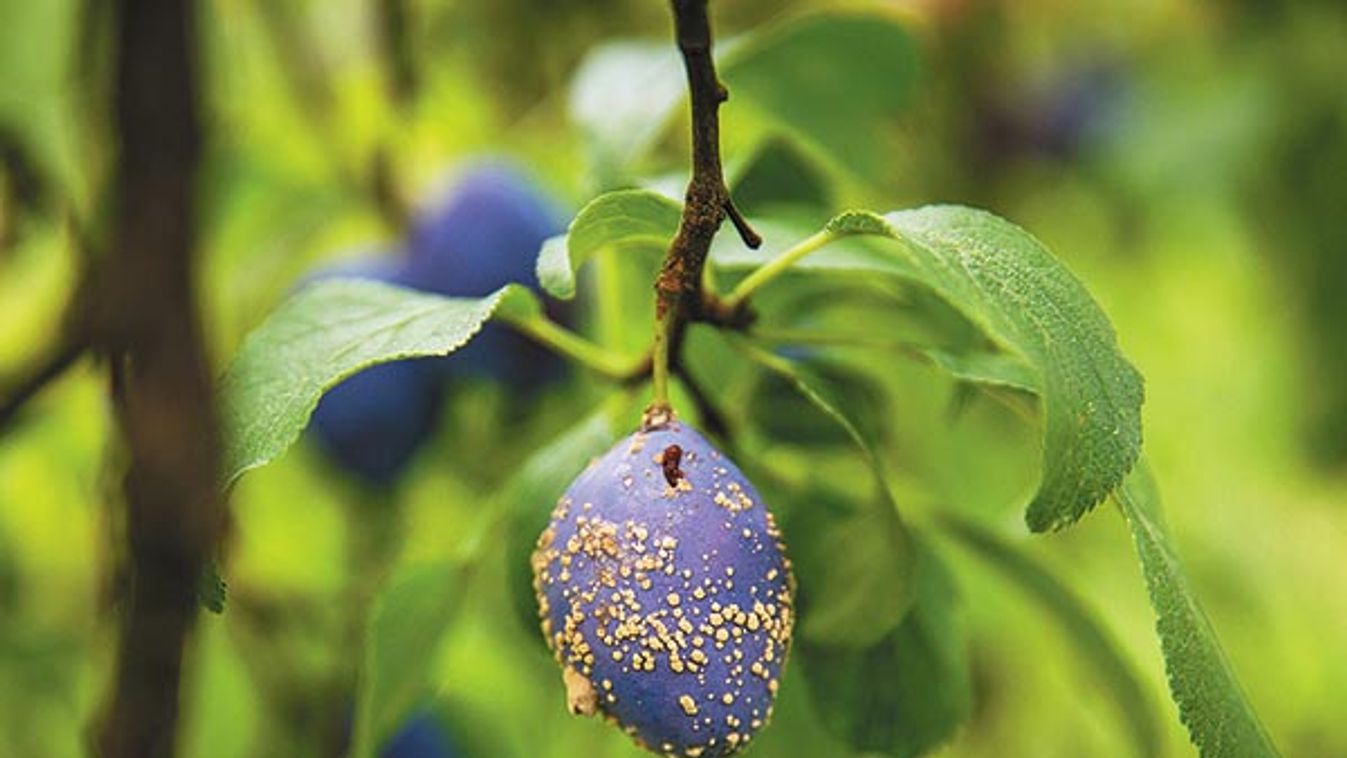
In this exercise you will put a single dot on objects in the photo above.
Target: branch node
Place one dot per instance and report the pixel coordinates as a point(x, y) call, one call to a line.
point(741, 225)
point(707, 203)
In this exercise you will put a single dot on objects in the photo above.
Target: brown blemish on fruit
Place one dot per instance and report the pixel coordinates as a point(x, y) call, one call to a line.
point(669, 460)
point(581, 698)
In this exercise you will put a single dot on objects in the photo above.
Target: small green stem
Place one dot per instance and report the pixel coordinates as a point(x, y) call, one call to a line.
point(775, 267)
point(575, 347)
point(659, 368)
point(609, 300)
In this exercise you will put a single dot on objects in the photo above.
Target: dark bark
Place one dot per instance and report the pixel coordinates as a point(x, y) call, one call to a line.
point(707, 202)
point(395, 25)
point(144, 319)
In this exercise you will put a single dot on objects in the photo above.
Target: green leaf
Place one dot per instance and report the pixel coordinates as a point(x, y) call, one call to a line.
point(406, 623)
point(323, 334)
point(864, 588)
point(1117, 675)
point(856, 582)
point(836, 79)
point(625, 217)
point(987, 368)
point(776, 408)
point(1027, 301)
point(622, 96)
point(778, 174)
point(858, 222)
point(1220, 720)
point(1006, 283)
point(908, 693)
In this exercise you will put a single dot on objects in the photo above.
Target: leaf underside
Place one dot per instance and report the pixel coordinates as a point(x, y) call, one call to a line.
point(1212, 704)
point(875, 563)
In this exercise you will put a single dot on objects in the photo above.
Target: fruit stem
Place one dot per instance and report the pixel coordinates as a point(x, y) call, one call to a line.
point(707, 203)
point(777, 266)
point(659, 368)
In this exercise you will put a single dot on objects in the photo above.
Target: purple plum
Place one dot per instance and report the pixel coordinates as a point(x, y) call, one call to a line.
point(422, 736)
point(666, 596)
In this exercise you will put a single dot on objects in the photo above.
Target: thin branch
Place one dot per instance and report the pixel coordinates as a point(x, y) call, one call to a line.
point(713, 420)
point(746, 233)
point(399, 59)
point(47, 371)
point(146, 319)
point(706, 203)
point(565, 342)
point(393, 206)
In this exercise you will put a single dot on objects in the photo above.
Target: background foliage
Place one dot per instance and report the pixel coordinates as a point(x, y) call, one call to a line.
point(1184, 160)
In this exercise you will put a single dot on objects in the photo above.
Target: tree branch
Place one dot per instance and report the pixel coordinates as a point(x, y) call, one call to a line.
point(712, 419)
point(706, 203)
point(395, 24)
point(50, 368)
point(144, 318)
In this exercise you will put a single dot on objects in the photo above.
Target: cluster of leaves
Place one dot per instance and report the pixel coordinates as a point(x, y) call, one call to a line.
point(879, 641)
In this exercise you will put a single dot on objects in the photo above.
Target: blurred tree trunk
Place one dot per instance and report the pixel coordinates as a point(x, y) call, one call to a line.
point(143, 318)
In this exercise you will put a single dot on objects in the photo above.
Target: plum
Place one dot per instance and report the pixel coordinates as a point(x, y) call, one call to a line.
point(665, 594)
point(484, 233)
point(1061, 116)
point(422, 736)
point(372, 424)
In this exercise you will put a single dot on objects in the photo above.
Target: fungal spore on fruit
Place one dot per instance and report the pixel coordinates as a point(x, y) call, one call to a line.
point(666, 596)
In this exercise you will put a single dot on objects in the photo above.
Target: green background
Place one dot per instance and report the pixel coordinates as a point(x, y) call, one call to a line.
point(1206, 217)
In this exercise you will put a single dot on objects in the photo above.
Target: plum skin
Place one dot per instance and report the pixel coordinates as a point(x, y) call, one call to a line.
point(666, 595)
point(422, 736)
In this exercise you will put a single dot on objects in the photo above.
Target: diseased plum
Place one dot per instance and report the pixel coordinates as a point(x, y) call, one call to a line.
point(665, 594)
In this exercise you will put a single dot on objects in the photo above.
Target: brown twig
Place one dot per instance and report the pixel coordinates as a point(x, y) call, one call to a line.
point(144, 315)
point(400, 73)
point(746, 233)
point(712, 419)
point(706, 203)
point(50, 368)
point(707, 199)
